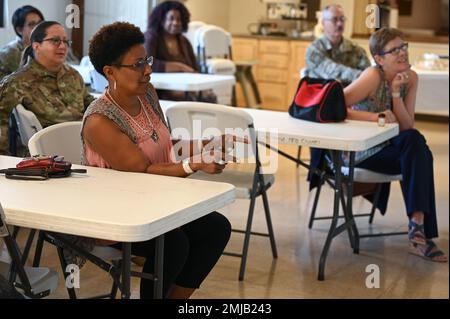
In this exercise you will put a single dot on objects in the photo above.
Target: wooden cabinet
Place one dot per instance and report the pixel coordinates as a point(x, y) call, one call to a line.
point(244, 49)
point(273, 74)
point(278, 70)
point(298, 53)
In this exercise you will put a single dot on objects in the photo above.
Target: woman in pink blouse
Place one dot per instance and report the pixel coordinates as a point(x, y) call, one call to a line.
point(125, 130)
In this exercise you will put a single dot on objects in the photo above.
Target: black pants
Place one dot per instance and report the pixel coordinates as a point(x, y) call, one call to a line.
point(409, 155)
point(190, 252)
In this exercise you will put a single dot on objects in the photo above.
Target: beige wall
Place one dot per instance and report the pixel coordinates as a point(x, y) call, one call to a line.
point(51, 9)
point(210, 11)
point(244, 12)
point(425, 15)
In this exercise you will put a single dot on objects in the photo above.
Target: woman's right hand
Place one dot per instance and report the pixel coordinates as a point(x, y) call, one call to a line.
point(211, 162)
point(210, 168)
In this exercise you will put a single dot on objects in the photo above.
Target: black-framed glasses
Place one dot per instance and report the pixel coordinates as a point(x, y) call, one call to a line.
point(57, 42)
point(395, 51)
point(335, 20)
point(139, 65)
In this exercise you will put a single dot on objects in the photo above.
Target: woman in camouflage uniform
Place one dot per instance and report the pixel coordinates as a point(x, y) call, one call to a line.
point(45, 85)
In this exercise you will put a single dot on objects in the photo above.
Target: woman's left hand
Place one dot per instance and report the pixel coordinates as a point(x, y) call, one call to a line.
point(401, 78)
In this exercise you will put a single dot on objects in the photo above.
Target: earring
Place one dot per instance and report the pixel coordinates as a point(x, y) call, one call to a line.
point(115, 85)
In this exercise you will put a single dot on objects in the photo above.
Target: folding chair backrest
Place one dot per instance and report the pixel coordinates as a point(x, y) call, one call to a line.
point(202, 120)
point(98, 81)
point(214, 42)
point(62, 139)
point(86, 62)
point(191, 33)
point(27, 123)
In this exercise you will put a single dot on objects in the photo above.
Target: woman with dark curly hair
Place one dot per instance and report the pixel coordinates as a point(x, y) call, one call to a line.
point(125, 130)
point(171, 50)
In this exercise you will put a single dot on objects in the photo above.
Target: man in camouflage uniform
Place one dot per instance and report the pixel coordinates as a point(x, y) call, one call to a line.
point(24, 20)
point(333, 57)
point(53, 98)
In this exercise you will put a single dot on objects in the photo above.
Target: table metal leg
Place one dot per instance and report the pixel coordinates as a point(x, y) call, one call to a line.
point(254, 85)
point(349, 211)
point(126, 270)
point(334, 230)
point(349, 225)
point(159, 267)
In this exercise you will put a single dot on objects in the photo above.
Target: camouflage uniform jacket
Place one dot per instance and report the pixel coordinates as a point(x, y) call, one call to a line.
point(10, 56)
point(343, 63)
point(53, 98)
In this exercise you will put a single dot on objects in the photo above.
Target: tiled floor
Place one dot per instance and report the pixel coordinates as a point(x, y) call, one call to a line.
point(294, 273)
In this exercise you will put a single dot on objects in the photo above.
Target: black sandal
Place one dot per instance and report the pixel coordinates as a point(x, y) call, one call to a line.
point(416, 233)
point(428, 253)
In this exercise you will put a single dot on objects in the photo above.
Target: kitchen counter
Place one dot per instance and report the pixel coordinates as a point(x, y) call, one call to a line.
point(413, 38)
point(273, 37)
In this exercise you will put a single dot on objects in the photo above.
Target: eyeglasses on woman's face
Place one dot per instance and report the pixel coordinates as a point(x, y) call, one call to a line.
point(139, 65)
point(396, 51)
point(57, 42)
point(32, 24)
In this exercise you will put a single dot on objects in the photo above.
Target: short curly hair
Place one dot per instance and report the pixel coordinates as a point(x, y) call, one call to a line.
point(158, 15)
point(112, 42)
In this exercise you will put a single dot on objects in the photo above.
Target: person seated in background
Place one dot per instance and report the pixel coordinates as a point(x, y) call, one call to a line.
point(171, 50)
point(45, 85)
point(390, 88)
point(332, 56)
point(125, 130)
point(24, 20)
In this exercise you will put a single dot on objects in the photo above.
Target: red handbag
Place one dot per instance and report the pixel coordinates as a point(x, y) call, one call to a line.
point(41, 168)
point(319, 101)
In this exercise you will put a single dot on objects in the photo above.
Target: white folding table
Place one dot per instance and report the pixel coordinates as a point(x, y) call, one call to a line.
point(432, 92)
point(188, 82)
point(111, 205)
point(351, 136)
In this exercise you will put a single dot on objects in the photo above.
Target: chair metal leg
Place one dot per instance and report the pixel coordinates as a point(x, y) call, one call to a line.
point(116, 281)
point(62, 260)
point(16, 230)
point(38, 251)
point(316, 201)
point(269, 224)
point(26, 250)
point(248, 230)
point(375, 203)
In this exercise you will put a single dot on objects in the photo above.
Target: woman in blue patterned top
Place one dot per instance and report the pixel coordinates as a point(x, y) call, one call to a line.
point(390, 88)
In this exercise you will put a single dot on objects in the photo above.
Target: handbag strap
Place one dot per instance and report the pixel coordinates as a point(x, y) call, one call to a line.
point(25, 174)
point(37, 174)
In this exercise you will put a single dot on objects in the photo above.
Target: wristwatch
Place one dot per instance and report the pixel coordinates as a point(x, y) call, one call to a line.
point(187, 168)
